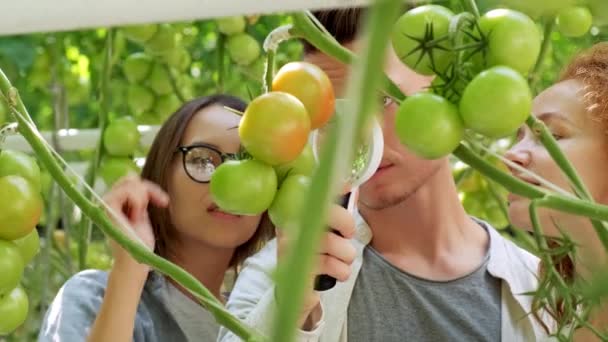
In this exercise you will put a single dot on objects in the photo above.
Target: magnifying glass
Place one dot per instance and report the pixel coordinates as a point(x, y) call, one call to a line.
point(366, 160)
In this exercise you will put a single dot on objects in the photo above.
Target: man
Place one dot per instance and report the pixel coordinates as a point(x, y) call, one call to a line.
point(424, 270)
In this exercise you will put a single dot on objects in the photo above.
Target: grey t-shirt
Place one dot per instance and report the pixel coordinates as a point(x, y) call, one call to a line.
point(163, 313)
point(391, 305)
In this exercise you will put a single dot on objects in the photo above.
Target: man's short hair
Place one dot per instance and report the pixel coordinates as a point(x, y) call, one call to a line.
point(343, 23)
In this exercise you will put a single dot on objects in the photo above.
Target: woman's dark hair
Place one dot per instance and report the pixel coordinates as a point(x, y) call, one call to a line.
point(157, 169)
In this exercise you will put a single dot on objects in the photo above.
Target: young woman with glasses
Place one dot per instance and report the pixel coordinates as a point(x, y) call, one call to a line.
point(171, 210)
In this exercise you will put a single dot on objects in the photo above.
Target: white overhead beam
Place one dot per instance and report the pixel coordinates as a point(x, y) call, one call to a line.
point(29, 16)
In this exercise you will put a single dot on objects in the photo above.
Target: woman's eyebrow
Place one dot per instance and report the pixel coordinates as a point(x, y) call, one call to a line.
point(548, 116)
point(230, 128)
point(206, 143)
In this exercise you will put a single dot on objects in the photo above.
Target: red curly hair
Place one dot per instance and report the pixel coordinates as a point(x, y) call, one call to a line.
point(591, 67)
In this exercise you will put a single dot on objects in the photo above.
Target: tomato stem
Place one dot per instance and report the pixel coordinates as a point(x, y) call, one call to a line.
point(269, 70)
point(304, 27)
point(86, 225)
point(141, 253)
point(534, 75)
point(173, 82)
point(472, 7)
point(366, 77)
point(221, 49)
point(566, 204)
point(547, 139)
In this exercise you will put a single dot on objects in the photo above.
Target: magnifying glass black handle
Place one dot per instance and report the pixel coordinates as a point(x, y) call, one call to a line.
point(324, 282)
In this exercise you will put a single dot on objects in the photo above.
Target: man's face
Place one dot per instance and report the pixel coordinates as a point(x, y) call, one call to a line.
point(401, 172)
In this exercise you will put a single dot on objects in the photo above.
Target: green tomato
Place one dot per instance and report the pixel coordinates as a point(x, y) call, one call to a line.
point(231, 25)
point(137, 67)
point(179, 59)
point(243, 187)
point(413, 24)
point(139, 99)
point(496, 102)
point(429, 125)
point(243, 48)
point(20, 164)
point(112, 169)
point(304, 164)
point(574, 21)
point(286, 208)
point(11, 267)
point(275, 128)
point(20, 207)
point(159, 80)
point(29, 246)
point(121, 137)
point(163, 41)
point(167, 105)
point(599, 8)
point(14, 308)
point(537, 8)
point(514, 39)
point(140, 33)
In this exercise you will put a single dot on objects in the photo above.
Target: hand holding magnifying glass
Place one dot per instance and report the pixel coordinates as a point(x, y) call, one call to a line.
point(367, 158)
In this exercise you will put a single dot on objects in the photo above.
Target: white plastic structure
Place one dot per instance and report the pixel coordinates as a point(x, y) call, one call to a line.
point(29, 16)
point(76, 139)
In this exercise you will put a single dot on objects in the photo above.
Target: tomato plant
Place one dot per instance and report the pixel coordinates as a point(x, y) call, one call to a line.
point(574, 21)
point(422, 118)
point(311, 86)
point(163, 40)
point(20, 207)
point(14, 308)
point(243, 187)
point(137, 66)
point(121, 137)
point(140, 99)
point(231, 25)
point(112, 169)
point(179, 59)
point(537, 8)
point(11, 267)
point(243, 48)
point(496, 102)
point(287, 204)
point(140, 33)
point(166, 105)
point(3, 112)
point(20, 164)
point(29, 246)
point(159, 80)
point(304, 164)
point(420, 36)
point(514, 39)
point(275, 128)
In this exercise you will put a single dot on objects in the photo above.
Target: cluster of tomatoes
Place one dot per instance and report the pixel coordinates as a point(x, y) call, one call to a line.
point(150, 91)
point(479, 84)
point(274, 131)
point(242, 48)
point(120, 140)
point(21, 207)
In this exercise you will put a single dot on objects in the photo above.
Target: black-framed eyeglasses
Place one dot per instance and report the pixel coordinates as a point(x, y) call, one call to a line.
point(201, 160)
